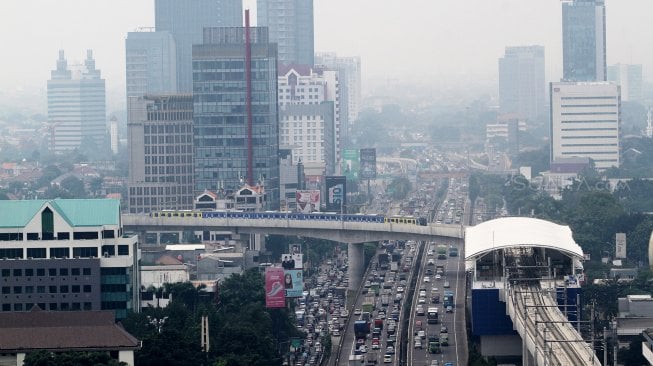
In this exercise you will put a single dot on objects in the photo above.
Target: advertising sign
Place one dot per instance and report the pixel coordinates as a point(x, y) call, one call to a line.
point(336, 192)
point(292, 261)
point(350, 164)
point(620, 240)
point(367, 164)
point(293, 281)
point(308, 201)
point(275, 296)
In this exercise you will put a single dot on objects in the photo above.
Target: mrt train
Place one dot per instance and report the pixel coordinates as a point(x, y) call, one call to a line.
point(281, 215)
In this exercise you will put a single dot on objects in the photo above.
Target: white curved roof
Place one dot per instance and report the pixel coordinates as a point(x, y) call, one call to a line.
point(509, 232)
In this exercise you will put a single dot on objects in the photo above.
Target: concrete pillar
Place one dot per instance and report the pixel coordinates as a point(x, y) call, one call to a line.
point(356, 261)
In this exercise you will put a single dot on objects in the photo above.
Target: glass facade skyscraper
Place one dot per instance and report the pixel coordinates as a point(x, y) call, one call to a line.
point(224, 142)
point(290, 24)
point(583, 40)
point(185, 20)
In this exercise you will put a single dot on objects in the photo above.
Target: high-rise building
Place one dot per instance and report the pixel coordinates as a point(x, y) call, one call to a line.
point(521, 82)
point(67, 255)
point(151, 63)
point(185, 20)
point(586, 122)
point(77, 106)
point(349, 76)
point(290, 23)
point(309, 116)
point(160, 153)
point(235, 111)
point(629, 77)
point(583, 40)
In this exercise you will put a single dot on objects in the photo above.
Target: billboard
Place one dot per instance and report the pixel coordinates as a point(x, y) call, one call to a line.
point(293, 281)
point(620, 240)
point(350, 164)
point(275, 296)
point(308, 200)
point(367, 164)
point(336, 193)
point(292, 261)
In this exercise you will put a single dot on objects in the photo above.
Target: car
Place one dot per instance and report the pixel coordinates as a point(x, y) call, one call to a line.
point(390, 350)
point(449, 309)
point(438, 277)
point(427, 279)
point(430, 262)
point(443, 329)
point(446, 284)
point(360, 342)
point(421, 334)
point(362, 349)
point(448, 364)
point(335, 333)
point(400, 289)
point(387, 358)
point(376, 344)
point(418, 344)
point(435, 363)
point(381, 315)
point(357, 311)
point(421, 300)
point(429, 271)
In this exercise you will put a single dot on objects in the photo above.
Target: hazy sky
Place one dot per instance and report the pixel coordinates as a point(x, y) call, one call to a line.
point(439, 40)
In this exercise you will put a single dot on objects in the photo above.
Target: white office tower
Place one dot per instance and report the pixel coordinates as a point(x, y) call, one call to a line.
point(629, 78)
point(310, 117)
point(77, 107)
point(113, 134)
point(586, 122)
point(349, 73)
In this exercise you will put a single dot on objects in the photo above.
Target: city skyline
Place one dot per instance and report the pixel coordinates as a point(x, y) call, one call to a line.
point(386, 41)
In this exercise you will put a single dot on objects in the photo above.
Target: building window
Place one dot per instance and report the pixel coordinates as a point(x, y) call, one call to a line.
point(36, 253)
point(29, 289)
point(6, 307)
point(63, 271)
point(52, 289)
point(75, 289)
point(52, 271)
point(87, 288)
point(53, 306)
point(40, 290)
point(6, 289)
point(123, 249)
point(18, 290)
point(65, 306)
point(40, 272)
point(74, 271)
point(18, 272)
point(29, 272)
point(88, 306)
point(59, 253)
point(63, 289)
point(47, 224)
point(18, 307)
point(86, 271)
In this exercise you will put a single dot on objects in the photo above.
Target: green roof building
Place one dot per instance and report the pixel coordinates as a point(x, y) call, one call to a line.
point(67, 255)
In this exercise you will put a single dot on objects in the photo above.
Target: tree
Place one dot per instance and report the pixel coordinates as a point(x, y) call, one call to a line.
point(74, 186)
point(45, 358)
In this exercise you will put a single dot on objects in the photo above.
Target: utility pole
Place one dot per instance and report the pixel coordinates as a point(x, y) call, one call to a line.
point(605, 346)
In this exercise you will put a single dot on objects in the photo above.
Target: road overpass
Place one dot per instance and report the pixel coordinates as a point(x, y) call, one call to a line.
point(352, 233)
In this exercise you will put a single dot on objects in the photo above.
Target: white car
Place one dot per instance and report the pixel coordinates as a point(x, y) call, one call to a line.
point(400, 289)
point(387, 358)
point(418, 344)
point(362, 348)
point(427, 279)
point(357, 311)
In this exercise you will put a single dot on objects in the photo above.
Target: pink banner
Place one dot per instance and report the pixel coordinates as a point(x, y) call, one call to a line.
point(275, 294)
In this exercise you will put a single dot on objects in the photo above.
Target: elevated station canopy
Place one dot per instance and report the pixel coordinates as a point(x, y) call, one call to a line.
point(512, 232)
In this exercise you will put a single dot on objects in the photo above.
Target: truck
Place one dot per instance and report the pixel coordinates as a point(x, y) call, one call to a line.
point(432, 315)
point(439, 269)
point(434, 344)
point(378, 323)
point(394, 266)
point(361, 329)
point(368, 303)
point(385, 300)
point(448, 299)
point(356, 360)
point(442, 251)
point(384, 260)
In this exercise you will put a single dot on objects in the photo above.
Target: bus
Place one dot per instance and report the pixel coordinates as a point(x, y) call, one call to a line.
point(432, 315)
point(442, 251)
